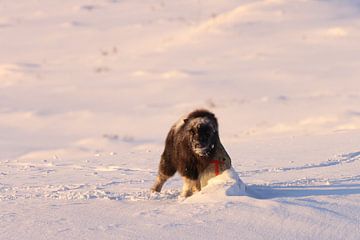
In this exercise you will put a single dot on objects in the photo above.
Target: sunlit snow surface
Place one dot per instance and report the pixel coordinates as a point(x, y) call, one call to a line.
point(89, 89)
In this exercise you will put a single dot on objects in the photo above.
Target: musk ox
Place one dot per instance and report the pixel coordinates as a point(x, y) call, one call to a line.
point(193, 149)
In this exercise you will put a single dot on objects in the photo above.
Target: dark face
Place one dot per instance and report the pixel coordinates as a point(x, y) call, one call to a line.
point(203, 139)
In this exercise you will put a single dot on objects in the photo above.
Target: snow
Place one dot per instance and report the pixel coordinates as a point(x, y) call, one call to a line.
point(90, 88)
point(219, 188)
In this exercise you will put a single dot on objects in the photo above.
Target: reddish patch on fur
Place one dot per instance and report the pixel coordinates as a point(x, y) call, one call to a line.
point(217, 166)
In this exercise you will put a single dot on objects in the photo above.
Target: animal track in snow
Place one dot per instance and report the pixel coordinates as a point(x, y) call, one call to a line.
point(84, 192)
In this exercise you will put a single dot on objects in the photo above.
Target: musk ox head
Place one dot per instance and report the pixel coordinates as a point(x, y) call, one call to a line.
point(203, 132)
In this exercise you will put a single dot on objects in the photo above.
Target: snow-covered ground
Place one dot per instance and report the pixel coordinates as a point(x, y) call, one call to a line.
point(89, 89)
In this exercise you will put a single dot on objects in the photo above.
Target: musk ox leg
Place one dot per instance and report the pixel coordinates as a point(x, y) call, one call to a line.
point(189, 187)
point(159, 182)
point(197, 186)
point(166, 170)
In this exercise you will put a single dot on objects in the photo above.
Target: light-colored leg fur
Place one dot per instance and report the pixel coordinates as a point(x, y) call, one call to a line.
point(160, 180)
point(189, 187)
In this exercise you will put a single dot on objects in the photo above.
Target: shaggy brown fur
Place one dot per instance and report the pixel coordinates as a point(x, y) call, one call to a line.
point(189, 148)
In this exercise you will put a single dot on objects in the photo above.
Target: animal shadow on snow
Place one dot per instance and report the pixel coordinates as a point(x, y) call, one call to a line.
point(270, 192)
point(339, 187)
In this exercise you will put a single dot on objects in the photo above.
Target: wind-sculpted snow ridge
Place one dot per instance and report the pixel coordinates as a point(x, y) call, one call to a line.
point(244, 12)
point(340, 159)
point(219, 188)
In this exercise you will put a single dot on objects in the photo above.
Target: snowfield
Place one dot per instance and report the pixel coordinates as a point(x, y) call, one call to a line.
point(89, 89)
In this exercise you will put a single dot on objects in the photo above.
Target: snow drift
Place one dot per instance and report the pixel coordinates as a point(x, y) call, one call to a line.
point(220, 188)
